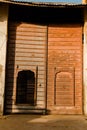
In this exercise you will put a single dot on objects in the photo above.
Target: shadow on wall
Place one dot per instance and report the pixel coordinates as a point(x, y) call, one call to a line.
point(10, 67)
point(3, 9)
point(18, 83)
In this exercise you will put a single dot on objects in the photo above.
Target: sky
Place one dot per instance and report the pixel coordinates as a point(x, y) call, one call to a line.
point(68, 1)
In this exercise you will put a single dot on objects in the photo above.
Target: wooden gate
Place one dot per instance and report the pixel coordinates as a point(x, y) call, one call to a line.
point(65, 69)
point(26, 64)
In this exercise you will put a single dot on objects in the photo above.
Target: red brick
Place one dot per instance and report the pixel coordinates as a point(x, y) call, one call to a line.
point(65, 51)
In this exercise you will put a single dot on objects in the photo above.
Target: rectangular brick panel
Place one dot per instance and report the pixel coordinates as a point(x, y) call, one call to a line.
point(64, 86)
point(64, 92)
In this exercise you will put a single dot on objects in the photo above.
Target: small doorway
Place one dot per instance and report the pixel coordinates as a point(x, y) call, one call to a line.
point(25, 93)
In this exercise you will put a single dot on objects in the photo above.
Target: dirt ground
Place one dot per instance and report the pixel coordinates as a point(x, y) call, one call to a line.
point(43, 122)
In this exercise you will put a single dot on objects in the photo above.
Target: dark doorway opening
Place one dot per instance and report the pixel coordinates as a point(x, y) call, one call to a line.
point(25, 87)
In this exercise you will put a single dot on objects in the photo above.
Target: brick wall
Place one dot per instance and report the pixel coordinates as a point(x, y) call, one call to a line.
point(65, 69)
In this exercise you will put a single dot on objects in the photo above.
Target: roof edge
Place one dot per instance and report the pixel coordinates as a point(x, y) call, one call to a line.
point(43, 4)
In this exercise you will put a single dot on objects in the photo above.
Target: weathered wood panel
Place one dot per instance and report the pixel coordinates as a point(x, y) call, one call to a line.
point(26, 51)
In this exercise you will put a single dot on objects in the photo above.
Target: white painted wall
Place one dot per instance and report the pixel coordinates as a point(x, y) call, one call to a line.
point(3, 42)
point(85, 63)
point(83, 1)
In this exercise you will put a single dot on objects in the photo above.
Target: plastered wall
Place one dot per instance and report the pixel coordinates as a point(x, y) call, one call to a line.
point(85, 63)
point(3, 42)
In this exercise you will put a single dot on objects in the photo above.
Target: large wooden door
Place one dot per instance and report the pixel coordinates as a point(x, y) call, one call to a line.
point(26, 64)
point(64, 69)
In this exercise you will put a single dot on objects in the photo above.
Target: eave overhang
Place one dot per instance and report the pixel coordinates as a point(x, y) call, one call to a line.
point(44, 4)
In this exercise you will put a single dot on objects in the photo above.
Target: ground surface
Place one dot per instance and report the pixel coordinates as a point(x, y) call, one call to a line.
point(40, 122)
